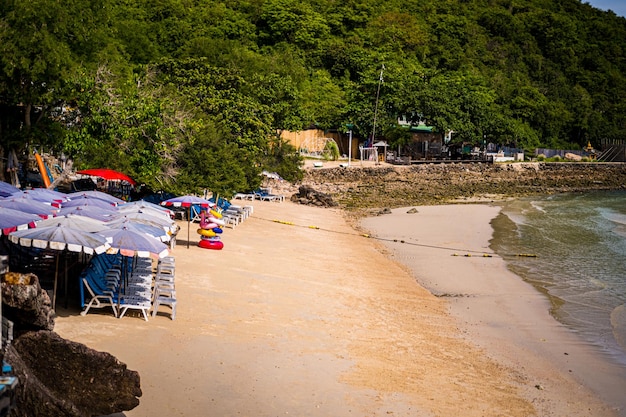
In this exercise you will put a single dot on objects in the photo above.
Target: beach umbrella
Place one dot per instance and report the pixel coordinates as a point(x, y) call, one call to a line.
point(123, 210)
point(90, 201)
point(73, 221)
point(96, 194)
point(107, 174)
point(87, 211)
point(7, 189)
point(12, 220)
point(165, 222)
point(43, 195)
point(145, 206)
point(154, 231)
point(28, 205)
point(187, 201)
point(131, 243)
point(60, 238)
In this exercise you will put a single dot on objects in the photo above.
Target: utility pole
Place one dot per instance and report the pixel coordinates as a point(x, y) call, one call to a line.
point(350, 126)
point(380, 81)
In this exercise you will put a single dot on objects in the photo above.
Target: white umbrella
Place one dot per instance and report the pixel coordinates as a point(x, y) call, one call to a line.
point(143, 204)
point(90, 201)
point(162, 212)
point(60, 238)
point(42, 195)
point(28, 205)
point(12, 220)
point(153, 231)
point(96, 194)
point(74, 221)
point(7, 189)
point(163, 221)
point(87, 211)
point(131, 243)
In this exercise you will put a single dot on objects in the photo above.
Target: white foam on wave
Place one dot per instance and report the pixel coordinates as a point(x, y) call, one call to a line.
point(618, 322)
point(617, 219)
point(537, 206)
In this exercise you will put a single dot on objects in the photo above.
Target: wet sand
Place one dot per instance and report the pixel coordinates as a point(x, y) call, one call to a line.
point(289, 319)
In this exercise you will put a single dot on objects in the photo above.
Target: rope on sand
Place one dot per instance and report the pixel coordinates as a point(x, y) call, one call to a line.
point(366, 235)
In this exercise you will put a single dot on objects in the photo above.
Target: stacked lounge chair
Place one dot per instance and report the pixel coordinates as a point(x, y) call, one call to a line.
point(164, 286)
point(137, 291)
point(136, 288)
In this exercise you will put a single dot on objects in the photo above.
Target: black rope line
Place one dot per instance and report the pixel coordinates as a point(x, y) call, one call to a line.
point(367, 235)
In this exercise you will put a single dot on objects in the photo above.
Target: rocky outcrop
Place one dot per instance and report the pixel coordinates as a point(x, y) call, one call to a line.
point(307, 195)
point(58, 377)
point(25, 303)
point(424, 184)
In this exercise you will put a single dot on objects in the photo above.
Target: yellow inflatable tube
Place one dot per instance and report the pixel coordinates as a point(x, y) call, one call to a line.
point(215, 214)
point(206, 232)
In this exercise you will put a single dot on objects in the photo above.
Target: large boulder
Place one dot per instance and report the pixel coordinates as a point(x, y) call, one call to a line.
point(25, 303)
point(58, 377)
point(307, 195)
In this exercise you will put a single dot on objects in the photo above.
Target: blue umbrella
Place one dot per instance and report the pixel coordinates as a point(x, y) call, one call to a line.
point(96, 194)
point(131, 243)
point(12, 220)
point(28, 205)
point(90, 201)
point(83, 223)
point(87, 211)
point(60, 237)
point(7, 189)
point(149, 218)
point(42, 194)
point(152, 209)
point(142, 204)
point(153, 231)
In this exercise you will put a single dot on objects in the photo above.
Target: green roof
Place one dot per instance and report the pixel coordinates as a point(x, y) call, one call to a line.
point(421, 128)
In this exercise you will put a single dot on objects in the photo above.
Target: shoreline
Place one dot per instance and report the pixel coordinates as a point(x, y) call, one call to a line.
point(523, 327)
point(289, 319)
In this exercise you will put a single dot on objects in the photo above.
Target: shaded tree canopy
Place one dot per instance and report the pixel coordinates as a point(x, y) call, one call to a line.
point(186, 93)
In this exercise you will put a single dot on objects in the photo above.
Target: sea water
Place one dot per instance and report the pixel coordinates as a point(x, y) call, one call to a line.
point(573, 248)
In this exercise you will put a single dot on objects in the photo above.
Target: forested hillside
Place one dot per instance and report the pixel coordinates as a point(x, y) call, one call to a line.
point(190, 94)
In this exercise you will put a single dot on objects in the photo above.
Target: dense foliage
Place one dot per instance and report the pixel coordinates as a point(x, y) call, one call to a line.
point(186, 94)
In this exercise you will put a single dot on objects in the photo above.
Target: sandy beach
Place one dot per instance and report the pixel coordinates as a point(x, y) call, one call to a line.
point(300, 314)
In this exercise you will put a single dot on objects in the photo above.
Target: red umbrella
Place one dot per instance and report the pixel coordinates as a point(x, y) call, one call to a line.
point(107, 174)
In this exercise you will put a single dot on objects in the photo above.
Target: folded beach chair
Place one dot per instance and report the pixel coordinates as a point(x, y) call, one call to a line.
point(136, 293)
point(164, 295)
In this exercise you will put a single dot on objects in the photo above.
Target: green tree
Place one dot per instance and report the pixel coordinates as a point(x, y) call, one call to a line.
point(130, 125)
point(41, 43)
